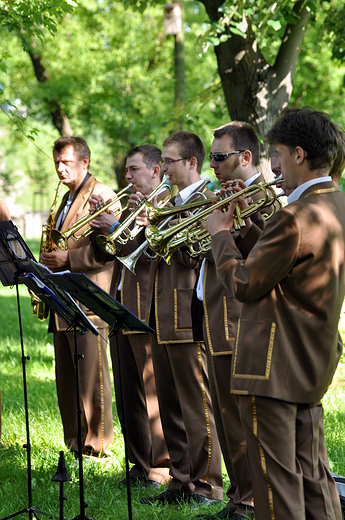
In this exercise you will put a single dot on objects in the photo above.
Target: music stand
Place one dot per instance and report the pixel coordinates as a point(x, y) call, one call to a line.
point(18, 265)
point(75, 323)
point(118, 317)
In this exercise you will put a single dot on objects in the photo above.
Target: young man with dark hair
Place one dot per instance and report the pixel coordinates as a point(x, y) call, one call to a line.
point(287, 344)
point(151, 154)
point(147, 450)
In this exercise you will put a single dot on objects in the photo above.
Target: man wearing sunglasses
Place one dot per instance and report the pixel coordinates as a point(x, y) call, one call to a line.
point(234, 156)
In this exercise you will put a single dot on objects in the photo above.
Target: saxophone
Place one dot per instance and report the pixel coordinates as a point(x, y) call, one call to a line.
point(39, 308)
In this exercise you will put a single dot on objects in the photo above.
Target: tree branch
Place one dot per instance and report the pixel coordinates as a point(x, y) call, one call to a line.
point(291, 44)
point(60, 119)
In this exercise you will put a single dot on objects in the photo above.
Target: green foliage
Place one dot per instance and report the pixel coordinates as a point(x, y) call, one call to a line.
point(29, 18)
point(320, 77)
point(115, 78)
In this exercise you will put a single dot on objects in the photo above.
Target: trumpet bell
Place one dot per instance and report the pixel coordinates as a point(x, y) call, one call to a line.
point(106, 244)
point(59, 239)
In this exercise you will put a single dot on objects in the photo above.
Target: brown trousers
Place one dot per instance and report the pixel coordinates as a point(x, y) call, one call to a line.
point(230, 433)
point(288, 460)
point(187, 418)
point(146, 445)
point(95, 389)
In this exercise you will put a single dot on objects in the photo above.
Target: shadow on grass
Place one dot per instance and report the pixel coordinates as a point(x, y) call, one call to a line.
point(105, 499)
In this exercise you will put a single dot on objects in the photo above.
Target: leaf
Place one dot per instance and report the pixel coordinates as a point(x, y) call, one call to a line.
point(213, 40)
point(310, 5)
point(234, 30)
point(275, 24)
point(241, 27)
point(289, 19)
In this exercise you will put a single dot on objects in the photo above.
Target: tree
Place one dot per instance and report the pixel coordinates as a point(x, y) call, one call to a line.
point(255, 90)
point(257, 45)
point(114, 77)
point(29, 19)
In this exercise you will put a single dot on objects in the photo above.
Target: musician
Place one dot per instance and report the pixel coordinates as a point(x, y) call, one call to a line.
point(235, 153)
point(179, 362)
point(146, 446)
point(72, 158)
point(4, 215)
point(287, 346)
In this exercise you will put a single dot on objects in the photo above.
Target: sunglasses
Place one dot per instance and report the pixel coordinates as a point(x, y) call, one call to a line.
point(220, 157)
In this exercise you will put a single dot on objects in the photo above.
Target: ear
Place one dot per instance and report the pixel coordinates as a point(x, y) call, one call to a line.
point(156, 171)
point(193, 162)
point(300, 155)
point(86, 162)
point(246, 157)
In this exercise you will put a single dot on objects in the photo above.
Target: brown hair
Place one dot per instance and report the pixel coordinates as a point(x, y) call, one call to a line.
point(189, 146)
point(244, 137)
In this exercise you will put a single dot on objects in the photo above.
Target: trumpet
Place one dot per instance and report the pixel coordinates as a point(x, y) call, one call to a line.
point(130, 260)
point(189, 231)
point(121, 233)
point(60, 238)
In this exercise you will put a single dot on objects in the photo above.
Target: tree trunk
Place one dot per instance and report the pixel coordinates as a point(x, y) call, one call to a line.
point(254, 91)
point(60, 120)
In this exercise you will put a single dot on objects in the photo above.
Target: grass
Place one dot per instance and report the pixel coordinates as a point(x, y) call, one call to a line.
point(105, 500)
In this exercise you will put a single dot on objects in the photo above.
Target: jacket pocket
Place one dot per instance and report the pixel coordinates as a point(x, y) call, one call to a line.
point(182, 312)
point(254, 361)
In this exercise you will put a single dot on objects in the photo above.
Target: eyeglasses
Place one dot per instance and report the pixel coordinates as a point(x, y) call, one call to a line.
point(170, 161)
point(220, 157)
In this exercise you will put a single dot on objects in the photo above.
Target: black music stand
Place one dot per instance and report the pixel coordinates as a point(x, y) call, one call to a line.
point(18, 265)
point(118, 317)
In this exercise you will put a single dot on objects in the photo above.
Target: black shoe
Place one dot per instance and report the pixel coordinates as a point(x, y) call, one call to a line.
point(168, 497)
point(178, 497)
point(200, 500)
point(140, 482)
point(224, 514)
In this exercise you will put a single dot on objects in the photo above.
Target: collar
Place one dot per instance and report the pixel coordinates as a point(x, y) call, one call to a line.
point(298, 192)
point(250, 181)
point(184, 194)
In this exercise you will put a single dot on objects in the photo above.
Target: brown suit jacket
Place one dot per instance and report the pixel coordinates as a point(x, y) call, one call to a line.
point(134, 286)
point(292, 289)
point(81, 259)
point(170, 290)
point(221, 308)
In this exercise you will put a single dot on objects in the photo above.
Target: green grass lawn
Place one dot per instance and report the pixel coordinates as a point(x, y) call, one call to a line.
point(105, 499)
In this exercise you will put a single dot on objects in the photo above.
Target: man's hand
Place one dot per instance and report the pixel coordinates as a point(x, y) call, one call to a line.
point(55, 260)
point(96, 201)
point(103, 222)
point(135, 199)
point(134, 202)
point(219, 221)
